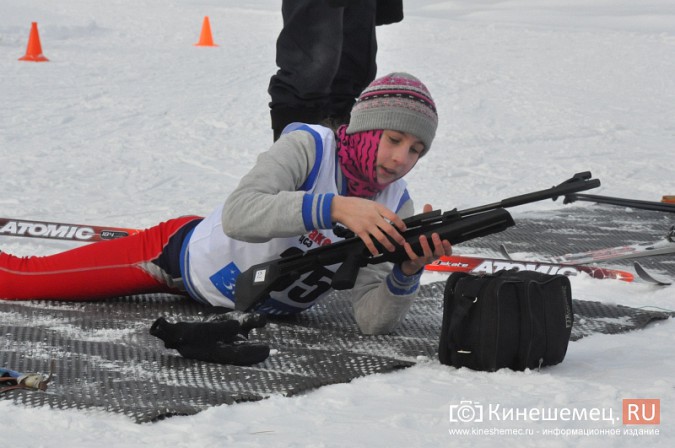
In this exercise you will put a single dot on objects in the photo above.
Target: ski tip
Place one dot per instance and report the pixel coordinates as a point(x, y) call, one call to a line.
point(504, 251)
point(647, 277)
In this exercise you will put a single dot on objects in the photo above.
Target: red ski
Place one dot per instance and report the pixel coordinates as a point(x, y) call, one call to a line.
point(482, 265)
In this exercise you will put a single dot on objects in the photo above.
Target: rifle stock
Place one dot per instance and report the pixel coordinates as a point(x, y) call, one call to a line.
point(255, 284)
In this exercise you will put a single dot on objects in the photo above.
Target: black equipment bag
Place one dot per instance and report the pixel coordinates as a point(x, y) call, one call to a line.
point(513, 319)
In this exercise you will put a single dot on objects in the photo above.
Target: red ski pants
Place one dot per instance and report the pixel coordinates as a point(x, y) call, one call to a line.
point(113, 268)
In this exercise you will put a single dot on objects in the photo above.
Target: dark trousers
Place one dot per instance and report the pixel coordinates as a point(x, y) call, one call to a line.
point(326, 57)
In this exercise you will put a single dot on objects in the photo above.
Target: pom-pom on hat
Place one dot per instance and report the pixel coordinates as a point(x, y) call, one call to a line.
point(397, 101)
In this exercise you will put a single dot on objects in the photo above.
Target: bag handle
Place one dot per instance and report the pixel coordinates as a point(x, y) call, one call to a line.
point(462, 308)
point(527, 322)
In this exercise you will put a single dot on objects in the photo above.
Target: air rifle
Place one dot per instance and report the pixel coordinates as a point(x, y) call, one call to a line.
point(255, 284)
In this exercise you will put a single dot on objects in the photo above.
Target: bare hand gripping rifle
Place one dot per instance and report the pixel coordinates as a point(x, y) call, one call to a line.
point(255, 284)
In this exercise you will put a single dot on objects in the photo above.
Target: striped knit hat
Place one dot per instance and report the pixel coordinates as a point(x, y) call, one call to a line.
point(397, 101)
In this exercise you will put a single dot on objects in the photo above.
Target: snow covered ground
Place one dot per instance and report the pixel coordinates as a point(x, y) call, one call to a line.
point(130, 124)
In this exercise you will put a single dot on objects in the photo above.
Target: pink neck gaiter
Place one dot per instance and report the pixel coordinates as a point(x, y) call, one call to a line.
point(357, 154)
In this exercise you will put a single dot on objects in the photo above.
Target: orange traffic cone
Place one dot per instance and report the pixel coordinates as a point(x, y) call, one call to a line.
point(206, 40)
point(34, 49)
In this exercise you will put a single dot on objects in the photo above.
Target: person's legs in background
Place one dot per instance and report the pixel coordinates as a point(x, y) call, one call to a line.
point(358, 66)
point(309, 48)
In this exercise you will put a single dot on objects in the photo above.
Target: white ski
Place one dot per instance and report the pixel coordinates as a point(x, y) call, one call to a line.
point(662, 247)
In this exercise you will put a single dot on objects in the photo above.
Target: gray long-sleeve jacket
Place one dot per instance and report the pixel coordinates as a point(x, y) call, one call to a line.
point(267, 204)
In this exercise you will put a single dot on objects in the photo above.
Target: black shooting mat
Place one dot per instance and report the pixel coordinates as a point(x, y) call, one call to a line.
point(105, 359)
